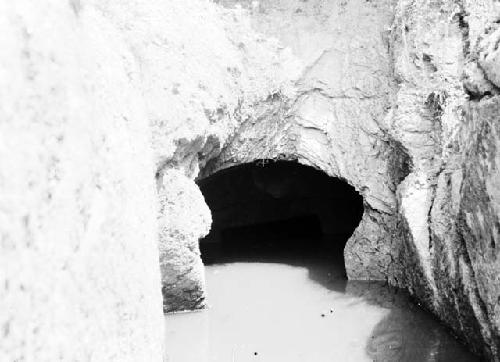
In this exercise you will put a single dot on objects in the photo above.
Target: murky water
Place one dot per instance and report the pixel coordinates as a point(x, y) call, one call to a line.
point(291, 308)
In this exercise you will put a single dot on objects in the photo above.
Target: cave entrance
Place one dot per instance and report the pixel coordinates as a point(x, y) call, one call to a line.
point(270, 210)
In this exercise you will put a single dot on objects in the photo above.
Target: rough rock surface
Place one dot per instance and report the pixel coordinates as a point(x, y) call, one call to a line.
point(446, 116)
point(79, 272)
point(184, 218)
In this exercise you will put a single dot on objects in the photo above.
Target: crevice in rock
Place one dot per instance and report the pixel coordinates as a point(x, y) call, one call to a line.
point(435, 103)
point(400, 162)
point(461, 19)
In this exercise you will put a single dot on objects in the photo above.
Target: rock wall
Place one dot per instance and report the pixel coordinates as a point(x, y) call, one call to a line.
point(446, 116)
point(184, 218)
point(201, 85)
point(79, 272)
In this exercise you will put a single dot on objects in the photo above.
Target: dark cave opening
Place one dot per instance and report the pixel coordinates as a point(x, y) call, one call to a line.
point(270, 210)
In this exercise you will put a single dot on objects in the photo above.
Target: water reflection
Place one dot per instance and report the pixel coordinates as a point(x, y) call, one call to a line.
point(280, 305)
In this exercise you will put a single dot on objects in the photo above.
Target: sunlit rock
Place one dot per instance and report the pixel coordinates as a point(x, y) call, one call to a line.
point(183, 219)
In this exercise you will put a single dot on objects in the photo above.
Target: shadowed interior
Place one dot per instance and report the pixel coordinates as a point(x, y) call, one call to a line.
point(276, 207)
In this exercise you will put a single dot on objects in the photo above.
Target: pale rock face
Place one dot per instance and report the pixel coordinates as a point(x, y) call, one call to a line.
point(184, 218)
point(489, 55)
point(79, 272)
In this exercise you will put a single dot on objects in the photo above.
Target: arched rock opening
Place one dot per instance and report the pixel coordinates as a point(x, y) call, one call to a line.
point(279, 206)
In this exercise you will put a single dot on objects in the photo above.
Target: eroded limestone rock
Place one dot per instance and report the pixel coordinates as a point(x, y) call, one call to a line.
point(489, 55)
point(79, 273)
point(445, 57)
point(183, 219)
